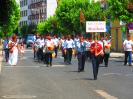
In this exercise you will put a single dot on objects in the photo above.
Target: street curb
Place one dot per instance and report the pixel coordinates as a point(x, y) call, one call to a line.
point(1, 58)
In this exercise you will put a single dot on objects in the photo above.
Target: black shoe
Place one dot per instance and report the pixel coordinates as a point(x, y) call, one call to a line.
point(125, 64)
point(95, 78)
point(130, 64)
point(106, 65)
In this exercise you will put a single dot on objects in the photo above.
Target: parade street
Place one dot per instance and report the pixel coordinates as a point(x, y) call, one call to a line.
point(33, 80)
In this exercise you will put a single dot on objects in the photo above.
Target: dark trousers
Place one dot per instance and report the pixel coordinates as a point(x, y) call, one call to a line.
point(95, 65)
point(6, 54)
point(81, 61)
point(106, 58)
point(69, 55)
point(56, 51)
point(64, 55)
point(128, 54)
point(48, 56)
point(40, 54)
point(88, 55)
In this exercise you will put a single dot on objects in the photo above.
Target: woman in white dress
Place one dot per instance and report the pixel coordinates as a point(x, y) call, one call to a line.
point(13, 46)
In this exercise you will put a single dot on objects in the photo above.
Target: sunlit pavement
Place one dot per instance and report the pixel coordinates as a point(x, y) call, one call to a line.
point(32, 80)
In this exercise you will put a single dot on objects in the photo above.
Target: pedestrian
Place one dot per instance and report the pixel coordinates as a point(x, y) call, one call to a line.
point(69, 48)
point(128, 46)
point(80, 49)
point(13, 50)
point(107, 46)
point(22, 49)
point(49, 44)
point(6, 49)
point(96, 51)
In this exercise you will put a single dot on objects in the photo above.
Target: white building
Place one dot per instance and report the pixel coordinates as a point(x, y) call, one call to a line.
point(34, 11)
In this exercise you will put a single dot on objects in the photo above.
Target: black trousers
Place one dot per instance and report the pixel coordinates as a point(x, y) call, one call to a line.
point(40, 54)
point(48, 58)
point(69, 55)
point(106, 58)
point(6, 54)
point(81, 61)
point(56, 51)
point(95, 65)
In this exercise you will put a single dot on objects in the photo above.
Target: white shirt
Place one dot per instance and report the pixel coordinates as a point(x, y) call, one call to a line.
point(40, 42)
point(127, 44)
point(101, 42)
point(49, 43)
point(62, 42)
point(69, 44)
point(56, 41)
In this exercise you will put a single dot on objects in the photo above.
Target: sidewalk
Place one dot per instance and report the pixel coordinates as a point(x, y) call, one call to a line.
point(116, 55)
point(1, 58)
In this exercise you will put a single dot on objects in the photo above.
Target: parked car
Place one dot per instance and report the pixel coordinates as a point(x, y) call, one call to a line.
point(30, 40)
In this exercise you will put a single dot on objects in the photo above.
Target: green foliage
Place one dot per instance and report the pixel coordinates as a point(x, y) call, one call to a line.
point(9, 16)
point(28, 29)
point(119, 10)
point(68, 14)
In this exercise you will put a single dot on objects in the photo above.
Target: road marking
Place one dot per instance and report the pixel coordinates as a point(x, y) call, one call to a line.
point(20, 66)
point(19, 97)
point(111, 74)
point(58, 65)
point(105, 94)
point(129, 75)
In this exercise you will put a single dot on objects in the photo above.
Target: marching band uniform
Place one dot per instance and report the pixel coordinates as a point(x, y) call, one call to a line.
point(56, 43)
point(80, 48)
point(69, 45)
point(96, 50)
point(107, 45)
point(39, 45)
point(49, 44)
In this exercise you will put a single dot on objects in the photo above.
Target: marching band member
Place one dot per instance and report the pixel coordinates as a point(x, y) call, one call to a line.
point(49, 44)
point(41, 44)
point(107, 46)
point(80, 48)
point(96, 51)
point(56, 43)
point(69, 45)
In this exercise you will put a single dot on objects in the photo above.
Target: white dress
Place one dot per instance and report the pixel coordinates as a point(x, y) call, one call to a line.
point(13, 57)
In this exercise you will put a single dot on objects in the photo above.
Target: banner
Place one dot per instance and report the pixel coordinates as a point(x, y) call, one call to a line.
point(95, 26)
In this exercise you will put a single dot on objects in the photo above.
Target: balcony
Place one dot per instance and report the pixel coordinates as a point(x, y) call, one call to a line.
point(38, 5)
point(40, 16)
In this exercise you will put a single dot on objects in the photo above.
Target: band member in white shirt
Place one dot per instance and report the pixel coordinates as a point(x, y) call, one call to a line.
point(107, 46)
point(80, 49)
point(49, 44)
point(41, 44)
point(69, 45)
point(128, 46)
point(56, 43)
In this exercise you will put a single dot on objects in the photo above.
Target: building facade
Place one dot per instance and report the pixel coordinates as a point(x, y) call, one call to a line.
point(35, 11)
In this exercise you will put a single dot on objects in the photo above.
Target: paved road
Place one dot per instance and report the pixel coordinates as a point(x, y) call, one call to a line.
point(32, 80)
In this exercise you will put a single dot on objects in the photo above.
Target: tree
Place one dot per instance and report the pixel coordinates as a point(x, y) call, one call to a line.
point(119, 10)
point(9, 16)
point(28, 29)
point(69, 14)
